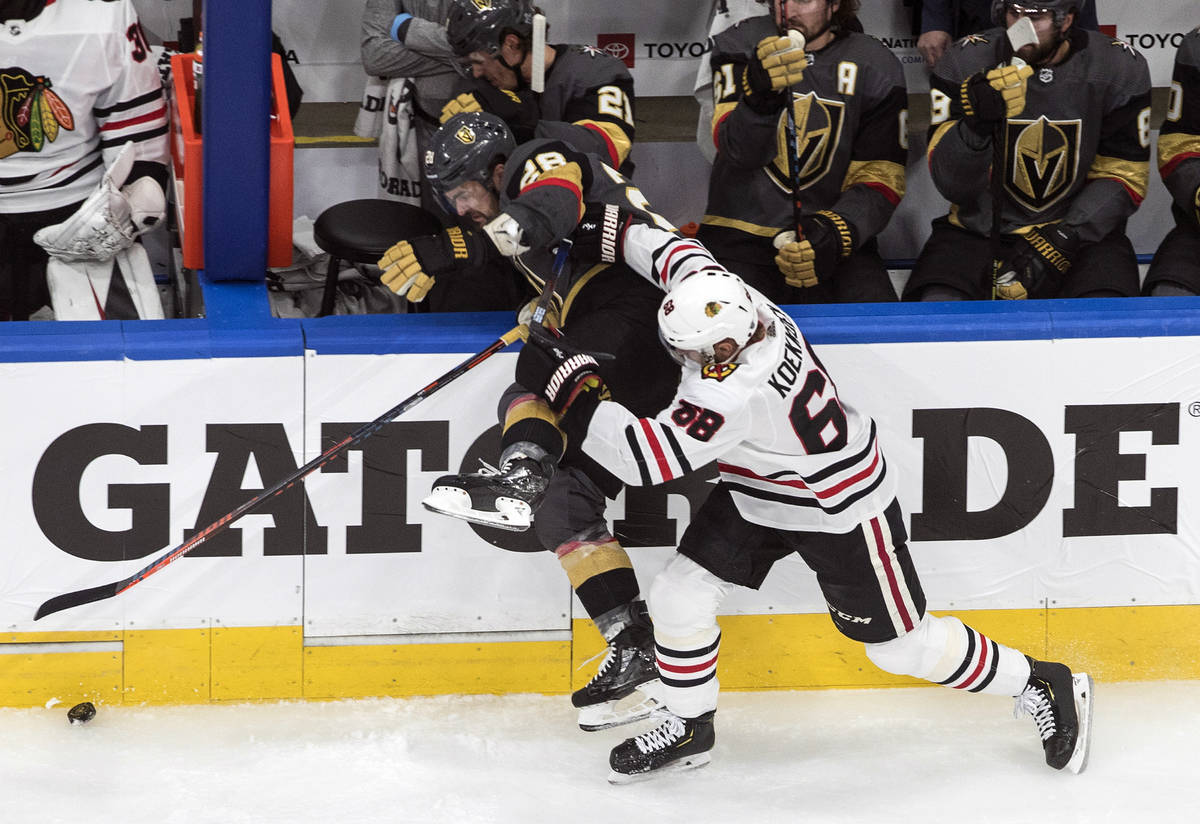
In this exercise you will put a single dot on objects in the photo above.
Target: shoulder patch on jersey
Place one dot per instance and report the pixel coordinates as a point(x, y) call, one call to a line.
point(973, 40)
point(717, 371)
point(1124, 45)
point(591, 51)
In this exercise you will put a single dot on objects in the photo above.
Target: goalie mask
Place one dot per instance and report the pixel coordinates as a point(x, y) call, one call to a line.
point(480, 25)
point(467, 147)
point(701, 311)
point(1058, 7)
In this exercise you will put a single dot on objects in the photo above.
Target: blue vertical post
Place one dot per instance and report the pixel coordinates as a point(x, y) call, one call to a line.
point(236, 117)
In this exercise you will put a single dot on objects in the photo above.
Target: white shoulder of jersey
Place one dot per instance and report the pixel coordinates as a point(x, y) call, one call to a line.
point(88, 16)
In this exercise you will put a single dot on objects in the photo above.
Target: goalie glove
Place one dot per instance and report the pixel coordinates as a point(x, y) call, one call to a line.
point(826, 239)
point(600, 235)
point(778, 63)
point(411, 267)
point(110, 219)
point(990, 98)
point(1038, 262)
point(568, 379)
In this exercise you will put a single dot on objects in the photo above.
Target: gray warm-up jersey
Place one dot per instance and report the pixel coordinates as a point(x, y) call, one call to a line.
point(850, 113)
point(1078, 153)
point(1179, 140)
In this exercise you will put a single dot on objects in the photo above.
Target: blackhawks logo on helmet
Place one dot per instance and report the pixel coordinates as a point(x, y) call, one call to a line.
point(712, 308)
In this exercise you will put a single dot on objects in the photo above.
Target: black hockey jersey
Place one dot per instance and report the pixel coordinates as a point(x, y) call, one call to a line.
point(850, 113)
point(546, 187)
point(588, 101)
point(1179, 140)
point(76, 83)
point(1078, 153)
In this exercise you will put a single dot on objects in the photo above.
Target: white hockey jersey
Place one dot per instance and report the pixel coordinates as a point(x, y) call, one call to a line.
point(76, 83)
point(793, 455)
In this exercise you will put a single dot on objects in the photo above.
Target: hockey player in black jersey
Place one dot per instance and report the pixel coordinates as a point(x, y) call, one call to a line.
point(849, 102)
point(1175, 269)
point(801, 471)
point(522, 200)
point(1043, 159)
point(588, 96)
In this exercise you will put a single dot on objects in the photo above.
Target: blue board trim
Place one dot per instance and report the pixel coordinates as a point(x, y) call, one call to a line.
point(233, 333)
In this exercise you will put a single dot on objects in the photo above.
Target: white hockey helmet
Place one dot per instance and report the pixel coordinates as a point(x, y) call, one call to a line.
point(702, 310)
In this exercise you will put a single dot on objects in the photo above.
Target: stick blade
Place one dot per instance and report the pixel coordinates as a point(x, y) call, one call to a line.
point(74, 599)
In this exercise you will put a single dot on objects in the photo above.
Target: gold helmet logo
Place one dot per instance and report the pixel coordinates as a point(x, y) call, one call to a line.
point(712, 309)
point(465, 135)
point(483, 5)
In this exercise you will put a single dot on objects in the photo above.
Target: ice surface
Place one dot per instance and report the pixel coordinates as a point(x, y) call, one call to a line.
point(887, 756)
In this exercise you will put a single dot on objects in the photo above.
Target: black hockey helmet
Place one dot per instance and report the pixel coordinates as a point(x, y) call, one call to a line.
point(1058, 7)
point(480, 25)
point(467, 147)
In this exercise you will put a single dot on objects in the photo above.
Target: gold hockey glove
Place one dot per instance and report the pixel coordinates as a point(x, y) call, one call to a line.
point(990, 98)
point(777, 64)
point(826, 238)
point(411, 266)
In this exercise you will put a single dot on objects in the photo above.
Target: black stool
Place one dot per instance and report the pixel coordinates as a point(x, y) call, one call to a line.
point(360, 231)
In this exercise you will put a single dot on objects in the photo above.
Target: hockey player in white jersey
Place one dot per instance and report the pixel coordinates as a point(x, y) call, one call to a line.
point(83, 152)
point(801, 471)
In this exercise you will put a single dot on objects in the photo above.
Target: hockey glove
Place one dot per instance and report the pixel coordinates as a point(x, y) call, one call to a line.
point(568, 379)
point(550, 319)
point(1038, 262)
point(988, 99)
point(600, 235)
point(826, 238)
point(411, 266)
point(518, 109)
point(777, 64)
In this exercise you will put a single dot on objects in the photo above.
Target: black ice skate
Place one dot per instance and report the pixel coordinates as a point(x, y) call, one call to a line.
point(1061, 705)
point(504, 497)
point(677, 744)
point(626, 687)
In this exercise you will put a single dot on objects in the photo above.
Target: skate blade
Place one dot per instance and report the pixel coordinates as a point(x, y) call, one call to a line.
point(1083, 687)
point(636, 706)
point(515, 516)
point(691, 762)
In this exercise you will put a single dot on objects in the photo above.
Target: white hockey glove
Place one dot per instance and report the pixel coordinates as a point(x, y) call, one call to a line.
point(110, 219)
point(507, 235)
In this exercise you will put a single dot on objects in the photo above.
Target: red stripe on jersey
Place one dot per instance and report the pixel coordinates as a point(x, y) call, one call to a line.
point(893, 584)
point(970, 679)
point(660, 458)
point(853, 479)
point(730, 469)
point(1168, 167)
point(717, 129)
point(676, 249)
point(612, 147)
point(690, 668)
point(886, 191)
point(556, 181)
point(161, 111)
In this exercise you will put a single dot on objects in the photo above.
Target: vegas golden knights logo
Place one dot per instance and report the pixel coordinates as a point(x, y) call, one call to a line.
point(818, 129)
point(1042, 160)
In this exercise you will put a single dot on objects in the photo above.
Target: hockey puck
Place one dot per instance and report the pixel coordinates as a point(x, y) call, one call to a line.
point(82, 713)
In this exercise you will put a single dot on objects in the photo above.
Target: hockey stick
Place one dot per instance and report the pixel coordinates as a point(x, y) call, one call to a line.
point(790, 127)
point(86, 596)
point(1020, 34)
